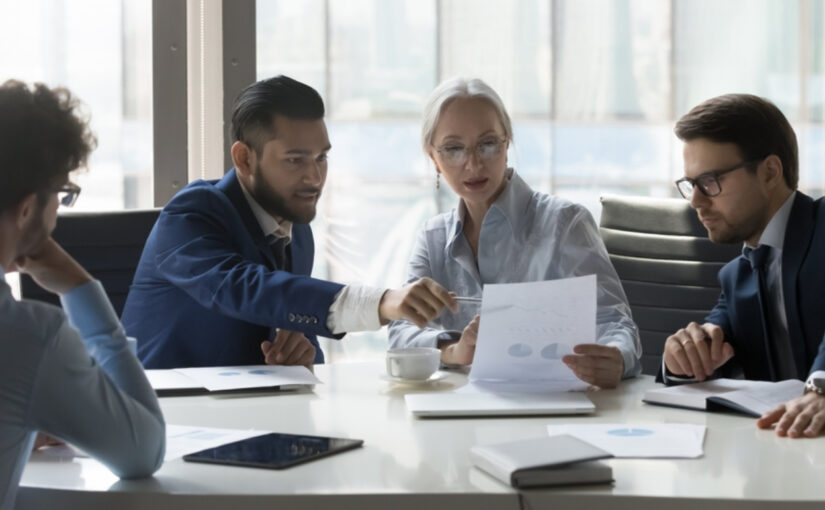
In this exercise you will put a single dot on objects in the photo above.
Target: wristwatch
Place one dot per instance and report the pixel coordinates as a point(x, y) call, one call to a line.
point(447, 337)
point(815, 385)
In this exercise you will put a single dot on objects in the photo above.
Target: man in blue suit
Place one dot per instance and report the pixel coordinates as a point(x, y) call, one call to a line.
point(741, 173)
point(224, 277)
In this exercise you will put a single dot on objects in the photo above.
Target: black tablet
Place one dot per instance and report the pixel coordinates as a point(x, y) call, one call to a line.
point(274, 451)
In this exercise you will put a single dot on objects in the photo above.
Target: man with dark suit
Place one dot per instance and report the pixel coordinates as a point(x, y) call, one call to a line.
point(224, 277)
point(741, 173)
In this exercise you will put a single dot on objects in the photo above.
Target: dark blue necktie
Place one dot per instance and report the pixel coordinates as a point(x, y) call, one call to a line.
point(278, 247)
point(758, 257)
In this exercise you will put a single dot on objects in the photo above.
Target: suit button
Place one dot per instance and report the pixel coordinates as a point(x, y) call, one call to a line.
point(292, 317)
point(315, 320)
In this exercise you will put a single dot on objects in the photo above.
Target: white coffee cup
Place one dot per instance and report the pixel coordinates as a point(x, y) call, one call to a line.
point(413, 363)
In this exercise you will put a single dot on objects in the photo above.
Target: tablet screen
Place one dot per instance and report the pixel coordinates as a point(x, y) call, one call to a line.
point(274, 451)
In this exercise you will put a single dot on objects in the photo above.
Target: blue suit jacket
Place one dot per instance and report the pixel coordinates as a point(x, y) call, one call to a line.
point(207, 292)
point(803, 283)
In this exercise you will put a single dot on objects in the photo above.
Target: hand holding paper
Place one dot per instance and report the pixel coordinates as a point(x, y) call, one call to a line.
point(599, 365)
point(526, 330)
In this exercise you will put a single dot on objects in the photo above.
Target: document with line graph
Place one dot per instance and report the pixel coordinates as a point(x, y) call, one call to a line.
point(526, 328)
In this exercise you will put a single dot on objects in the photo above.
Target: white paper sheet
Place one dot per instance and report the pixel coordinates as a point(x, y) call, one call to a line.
point(526, 328)
point(182, 440)
point(251, 376)
point(644, 440)
point(169, 379)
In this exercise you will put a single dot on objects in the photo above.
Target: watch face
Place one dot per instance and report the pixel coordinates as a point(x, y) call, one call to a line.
point(816, 385)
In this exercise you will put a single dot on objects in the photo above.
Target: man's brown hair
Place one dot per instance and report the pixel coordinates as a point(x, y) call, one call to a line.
point(752, 123)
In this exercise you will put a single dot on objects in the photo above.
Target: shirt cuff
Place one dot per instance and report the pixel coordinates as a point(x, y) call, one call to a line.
point(355, 308)
point(89, 310)
point(625, 344)
point(673, 379)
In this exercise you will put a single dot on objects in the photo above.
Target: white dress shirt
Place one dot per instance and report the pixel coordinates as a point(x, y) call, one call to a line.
point(355, 307)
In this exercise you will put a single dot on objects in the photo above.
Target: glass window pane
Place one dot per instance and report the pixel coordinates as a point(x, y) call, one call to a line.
point(506, 44)
point(102, 51)
point(815, 16)
point(597, 158)
point(737, 46)
point(382, 57)
point(811, 139)
point(291, 40)
point(613, 59)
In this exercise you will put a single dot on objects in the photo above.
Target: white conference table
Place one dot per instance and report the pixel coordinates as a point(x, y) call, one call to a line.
point(423, 463)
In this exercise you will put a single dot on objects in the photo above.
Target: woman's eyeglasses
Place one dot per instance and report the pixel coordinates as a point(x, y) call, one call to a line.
point(457, 155)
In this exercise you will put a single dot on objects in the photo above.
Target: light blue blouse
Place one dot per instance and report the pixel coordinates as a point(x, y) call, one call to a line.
point(76, 380)
point(526, 236)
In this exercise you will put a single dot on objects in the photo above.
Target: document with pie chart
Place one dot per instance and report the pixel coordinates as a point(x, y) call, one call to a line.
point(641, 440)
point(526, 328)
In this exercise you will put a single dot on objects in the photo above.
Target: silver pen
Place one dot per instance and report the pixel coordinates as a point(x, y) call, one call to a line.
point(462, 299)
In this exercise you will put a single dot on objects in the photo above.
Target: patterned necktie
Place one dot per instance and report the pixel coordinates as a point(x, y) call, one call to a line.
point(758, 257)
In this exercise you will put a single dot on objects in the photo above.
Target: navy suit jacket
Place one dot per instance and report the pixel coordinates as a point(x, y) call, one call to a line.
point(207, 292)
point(803, 284)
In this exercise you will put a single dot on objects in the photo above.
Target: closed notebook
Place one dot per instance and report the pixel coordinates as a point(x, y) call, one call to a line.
point(544, 462)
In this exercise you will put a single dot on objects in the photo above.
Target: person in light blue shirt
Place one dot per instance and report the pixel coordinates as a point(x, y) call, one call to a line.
point(69, 375)
point(502, 232)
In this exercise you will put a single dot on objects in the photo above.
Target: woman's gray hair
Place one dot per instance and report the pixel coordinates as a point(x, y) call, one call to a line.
point(460, 88)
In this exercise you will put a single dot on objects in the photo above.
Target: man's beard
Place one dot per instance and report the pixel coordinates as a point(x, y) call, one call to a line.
point(274, 203)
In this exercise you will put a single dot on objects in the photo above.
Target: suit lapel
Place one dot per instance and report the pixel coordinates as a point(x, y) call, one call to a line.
point(798, 236)
point(232, 189)
point(301, 249)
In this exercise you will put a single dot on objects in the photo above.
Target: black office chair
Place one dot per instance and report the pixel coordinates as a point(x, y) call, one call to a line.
point(107, 244)
point(666, 263)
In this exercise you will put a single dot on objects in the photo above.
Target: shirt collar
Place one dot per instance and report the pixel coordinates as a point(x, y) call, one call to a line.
point(774, 233)
point(510, 204)
point(270, 225)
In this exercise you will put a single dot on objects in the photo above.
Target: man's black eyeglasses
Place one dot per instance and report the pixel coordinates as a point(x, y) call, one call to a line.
point(67, 194)
point(708, 182)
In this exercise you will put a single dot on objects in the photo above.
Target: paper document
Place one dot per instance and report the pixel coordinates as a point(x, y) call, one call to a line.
point(251, 376)
point(169, 380)
point(647, 440)
point(526, 328)
point(182, 440)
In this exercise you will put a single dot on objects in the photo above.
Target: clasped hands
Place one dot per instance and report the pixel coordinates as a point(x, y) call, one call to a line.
point(698, 350)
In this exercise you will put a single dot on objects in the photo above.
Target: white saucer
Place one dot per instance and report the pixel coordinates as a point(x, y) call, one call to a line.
point(414, 382)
